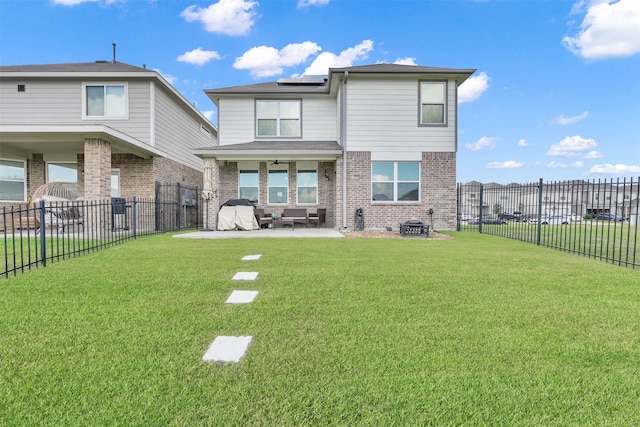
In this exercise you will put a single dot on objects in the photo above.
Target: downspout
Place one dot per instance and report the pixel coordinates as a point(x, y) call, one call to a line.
point(343, 131)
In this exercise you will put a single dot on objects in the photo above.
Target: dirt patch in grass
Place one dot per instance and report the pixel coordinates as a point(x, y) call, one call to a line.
point(383, 234)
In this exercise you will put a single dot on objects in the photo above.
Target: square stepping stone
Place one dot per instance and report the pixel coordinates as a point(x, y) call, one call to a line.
point(227, 349)
point(251, 257)
point(241, 297)
point(245, 275)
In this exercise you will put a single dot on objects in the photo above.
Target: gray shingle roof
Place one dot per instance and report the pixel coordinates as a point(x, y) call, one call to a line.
point(82, 67)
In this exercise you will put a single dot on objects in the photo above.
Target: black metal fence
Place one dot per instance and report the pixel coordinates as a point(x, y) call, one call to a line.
point(177, 206)
point(598, 219)
point(50, 231)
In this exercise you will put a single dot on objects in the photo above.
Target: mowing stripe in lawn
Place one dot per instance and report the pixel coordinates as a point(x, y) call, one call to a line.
point(227, 349)
point(245, 275)
point(251, 257)
point(241, 297)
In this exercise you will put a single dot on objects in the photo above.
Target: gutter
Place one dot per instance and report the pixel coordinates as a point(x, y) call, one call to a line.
point(343, 131)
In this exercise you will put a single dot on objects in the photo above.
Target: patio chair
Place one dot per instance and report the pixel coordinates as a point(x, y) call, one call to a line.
point(262, 217)
point(319, 217)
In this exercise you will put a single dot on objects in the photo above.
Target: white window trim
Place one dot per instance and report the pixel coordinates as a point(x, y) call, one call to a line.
point(395, 182)
point(84, 100)
point(445, 106)
point(278, 136)
point(24, 181)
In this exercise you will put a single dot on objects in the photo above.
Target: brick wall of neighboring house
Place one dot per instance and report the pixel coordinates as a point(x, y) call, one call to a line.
point(438, 192)
point(168, 171)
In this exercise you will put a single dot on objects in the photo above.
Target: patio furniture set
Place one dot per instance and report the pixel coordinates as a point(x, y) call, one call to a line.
point(291, 217)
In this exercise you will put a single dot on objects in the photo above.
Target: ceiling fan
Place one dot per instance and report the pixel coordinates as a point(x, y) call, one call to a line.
point(278, 162)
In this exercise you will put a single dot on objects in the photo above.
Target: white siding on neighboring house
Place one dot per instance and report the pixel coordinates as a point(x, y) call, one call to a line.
point(382, 117)
point(178, 130)
point(43, 101)
point(60, 101)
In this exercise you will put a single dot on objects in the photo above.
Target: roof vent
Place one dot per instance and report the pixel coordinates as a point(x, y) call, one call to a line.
point(101, 61)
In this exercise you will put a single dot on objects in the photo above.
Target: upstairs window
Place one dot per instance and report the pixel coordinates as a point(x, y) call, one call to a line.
point(278, 118)
point(395, 181)
point(12, 180)
point(105, 101)
point(433, 106)
point(248, 185)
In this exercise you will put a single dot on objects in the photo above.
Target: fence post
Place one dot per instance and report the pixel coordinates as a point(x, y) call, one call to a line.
point(134, 216)
point(481, 213)
point(539, 231)
point(178, 204)
point(43, 237)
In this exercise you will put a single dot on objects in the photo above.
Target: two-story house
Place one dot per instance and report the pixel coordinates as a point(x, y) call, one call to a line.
point(381, 138)
point(113, 128)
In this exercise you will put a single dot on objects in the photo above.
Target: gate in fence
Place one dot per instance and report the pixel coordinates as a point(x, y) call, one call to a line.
point(177, 207)
point(597, 219)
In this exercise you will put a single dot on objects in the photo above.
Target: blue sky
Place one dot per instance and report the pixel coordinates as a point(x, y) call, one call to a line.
point(556, 94)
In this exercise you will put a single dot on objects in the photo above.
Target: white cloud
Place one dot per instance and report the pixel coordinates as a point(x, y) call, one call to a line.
point(557, 165)
point(523, 143)
point(509, 164)
point(593, 155)
point(198, 56)
point(563, 120)
point(168, 77)
point(571, 146)
point(346, 58)
point(229, 17)
point(209, 114)
point(484, 143)
point(473, 87)
point(617, 169)
point(610, 29)
point(266, 61)
point(405, 61)
point(307, 3)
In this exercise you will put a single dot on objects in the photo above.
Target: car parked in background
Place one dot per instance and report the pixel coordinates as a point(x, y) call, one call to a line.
point(555, 220)
point(575, 218)
point(465, 216)
point(608, 217)
point(513, 216)
point(488, 220)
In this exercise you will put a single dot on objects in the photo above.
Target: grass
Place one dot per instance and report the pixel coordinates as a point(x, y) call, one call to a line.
point(479, 330)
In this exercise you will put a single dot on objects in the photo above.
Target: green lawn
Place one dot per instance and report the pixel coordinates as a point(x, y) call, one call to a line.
point(479, 330)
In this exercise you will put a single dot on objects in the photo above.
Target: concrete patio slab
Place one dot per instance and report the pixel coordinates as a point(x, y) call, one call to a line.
point(262, 233)
point(227, 349)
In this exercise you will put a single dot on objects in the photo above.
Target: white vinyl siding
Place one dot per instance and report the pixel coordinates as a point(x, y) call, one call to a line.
point(178, 131)
point(382, 117)
point(319, 119)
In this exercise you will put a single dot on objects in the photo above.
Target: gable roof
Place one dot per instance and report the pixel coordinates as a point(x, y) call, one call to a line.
point(323, 86)
point(97, 69)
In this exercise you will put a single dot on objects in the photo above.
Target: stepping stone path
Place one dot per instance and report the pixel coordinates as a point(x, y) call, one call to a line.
point(241, 297)
point(231, 349)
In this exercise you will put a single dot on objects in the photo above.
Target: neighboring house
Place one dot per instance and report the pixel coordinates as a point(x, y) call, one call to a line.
point(381, 138)
point(113, 128)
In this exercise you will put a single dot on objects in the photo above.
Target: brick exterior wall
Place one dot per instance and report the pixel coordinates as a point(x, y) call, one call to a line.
point(438, 192)
point(97, 169)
